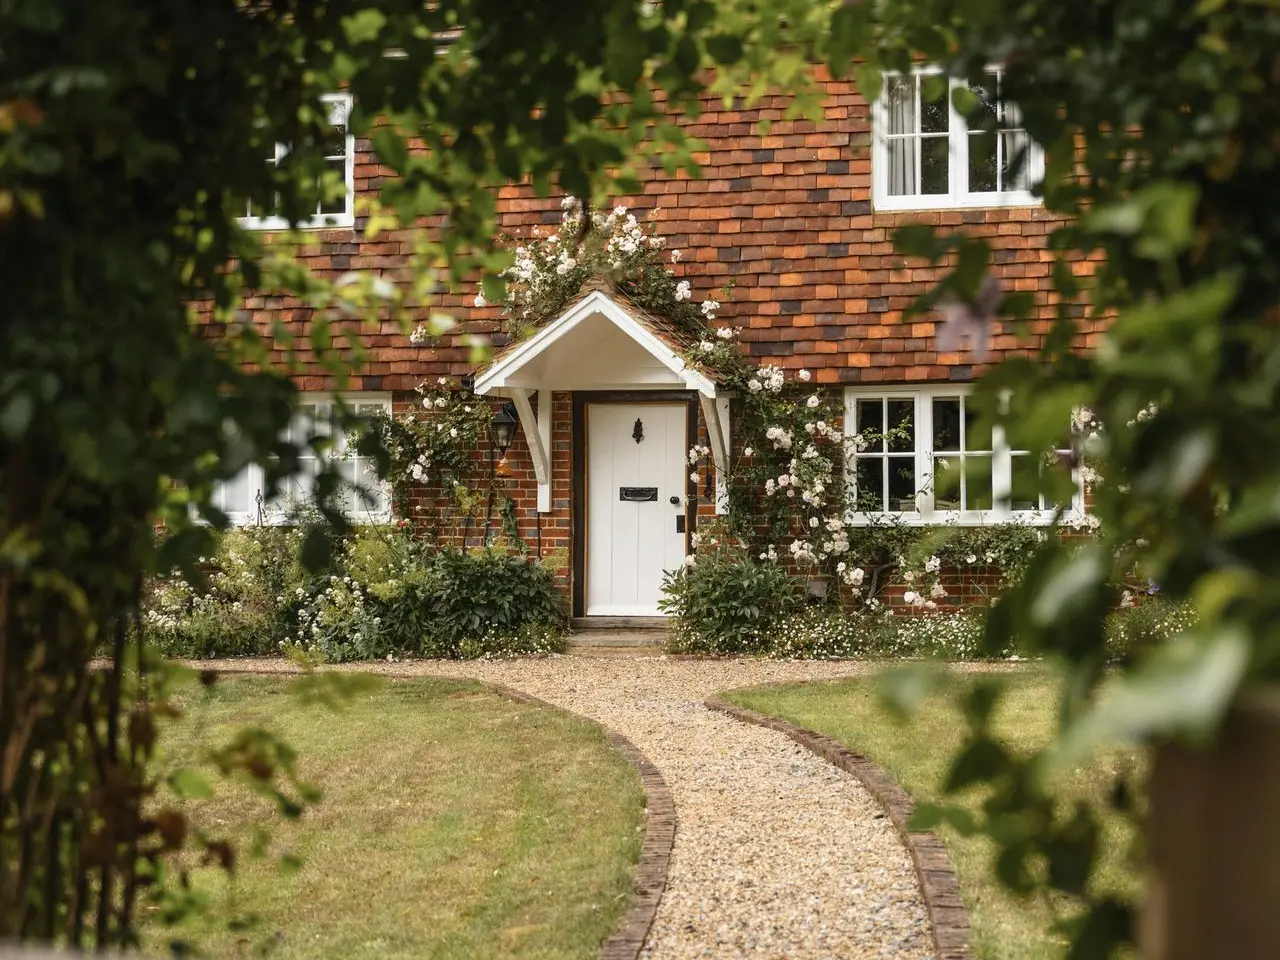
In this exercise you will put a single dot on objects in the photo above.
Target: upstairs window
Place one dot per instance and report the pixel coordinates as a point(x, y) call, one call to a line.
point(339, 157)
point(361, 495)
point(926, 157)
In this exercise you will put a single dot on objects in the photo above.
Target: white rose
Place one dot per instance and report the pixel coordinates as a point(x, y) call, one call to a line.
point(813, 401)
point(804, 375)
point(747, 452)
point(909, 597)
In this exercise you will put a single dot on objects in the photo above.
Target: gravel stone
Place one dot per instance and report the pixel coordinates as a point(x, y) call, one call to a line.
point(777, 853)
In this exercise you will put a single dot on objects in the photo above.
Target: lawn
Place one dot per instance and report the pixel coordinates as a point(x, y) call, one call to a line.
point(454, 824)
point(916, 753)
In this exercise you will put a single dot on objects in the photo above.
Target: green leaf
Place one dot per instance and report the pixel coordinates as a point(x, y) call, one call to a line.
point(364, 25)
point(190, 784)
point(979, 761)
point(316, 550)
point(917, 240)
point(1182, 690)
point(870, 80)
point(724, 48)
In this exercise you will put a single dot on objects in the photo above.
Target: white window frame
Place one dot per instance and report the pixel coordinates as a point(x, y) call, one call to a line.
point(338, 103)
point(925, 513)
point(275, 514)
point(958, 161)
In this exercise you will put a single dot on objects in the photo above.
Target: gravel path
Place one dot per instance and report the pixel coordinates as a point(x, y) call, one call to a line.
point(777, 853)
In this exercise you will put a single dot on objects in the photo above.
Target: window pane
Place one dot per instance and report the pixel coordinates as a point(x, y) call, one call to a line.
point(239, 494)
point(902, 484)
point(935, 105)
point(1025, 490)
point(946, 483)
point(977, 483)
point(902, 166)
point(900, 105)
point(977, 432)
point(869, 482)
point(934, 159)
point(983, 163)
point(988, 109)
point(1015, 173)
point(335, 144)
point(946, 423)
point(337, 203)
point(871, 423)
point(902, 436)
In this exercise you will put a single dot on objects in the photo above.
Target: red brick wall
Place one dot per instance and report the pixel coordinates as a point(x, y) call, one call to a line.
point(786, 218)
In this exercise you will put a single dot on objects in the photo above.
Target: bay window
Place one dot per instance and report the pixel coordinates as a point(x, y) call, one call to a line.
point(922, 455)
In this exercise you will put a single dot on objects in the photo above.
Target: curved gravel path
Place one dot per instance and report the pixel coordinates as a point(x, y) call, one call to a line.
point(777, 853)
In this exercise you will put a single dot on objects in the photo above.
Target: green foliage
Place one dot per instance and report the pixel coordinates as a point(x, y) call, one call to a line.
point(1136, 630)
point(484, 599)
point(727, 603)
point(383, 594)
point(132, 138)
point(1157, 122)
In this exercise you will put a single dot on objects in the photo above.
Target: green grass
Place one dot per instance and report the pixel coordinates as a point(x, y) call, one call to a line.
point(454, 824)
point(917, 753)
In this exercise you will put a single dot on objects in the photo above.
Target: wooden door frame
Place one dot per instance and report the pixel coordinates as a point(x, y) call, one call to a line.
point(578, 475)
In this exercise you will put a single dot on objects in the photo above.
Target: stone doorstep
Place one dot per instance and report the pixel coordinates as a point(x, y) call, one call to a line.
point(617, 638)
point(948, 918)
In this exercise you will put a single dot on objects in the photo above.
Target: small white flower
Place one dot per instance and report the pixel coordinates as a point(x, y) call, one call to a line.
point(480, 301)
point(971, 559)
point(812, 402)
point(804, 375)
point(709, 308)
point(725, 333)
point(937, 592)
point(675, 256)
point(683, 291)
point(755, 386)
point(690, 560)
point(813, 523)
point(932, 565)
point(453, 432)
point(747, 451)
point(694, 476)
point(909, 597)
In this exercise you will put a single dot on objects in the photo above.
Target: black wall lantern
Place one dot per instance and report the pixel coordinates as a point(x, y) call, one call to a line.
point(502, 428)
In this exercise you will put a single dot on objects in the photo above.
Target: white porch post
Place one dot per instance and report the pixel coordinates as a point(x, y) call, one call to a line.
point(537, 432)
point(715, 410)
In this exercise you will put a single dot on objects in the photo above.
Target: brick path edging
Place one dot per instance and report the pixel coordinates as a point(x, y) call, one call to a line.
point(650, 879)
point(948, 919)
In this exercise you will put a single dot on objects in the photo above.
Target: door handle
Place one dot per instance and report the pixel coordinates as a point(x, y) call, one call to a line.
point(680, 523)
point(675, 501)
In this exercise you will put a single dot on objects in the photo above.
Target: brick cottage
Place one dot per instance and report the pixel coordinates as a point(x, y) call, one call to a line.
point(799, 224)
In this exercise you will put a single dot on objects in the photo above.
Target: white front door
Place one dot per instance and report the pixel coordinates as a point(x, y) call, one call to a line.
point(636, 481)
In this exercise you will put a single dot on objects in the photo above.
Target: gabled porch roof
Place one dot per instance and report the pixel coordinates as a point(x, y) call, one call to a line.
point(600, 341)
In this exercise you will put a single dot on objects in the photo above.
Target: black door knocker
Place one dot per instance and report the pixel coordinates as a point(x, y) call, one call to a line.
point(638, 433)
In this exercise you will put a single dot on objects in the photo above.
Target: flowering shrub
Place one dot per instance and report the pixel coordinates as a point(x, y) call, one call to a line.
point(549, 271)
point(725, 601)
point(238, 610)
point(1142, 625)
point(435, 447)
point(384, 594)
